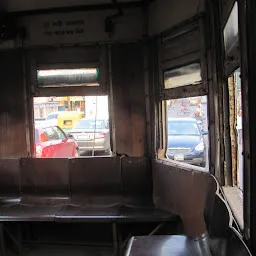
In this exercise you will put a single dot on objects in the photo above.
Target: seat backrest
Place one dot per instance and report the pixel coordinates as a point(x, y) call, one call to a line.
point(183, 192)
point(10, 178)
point(98, 180)
point(136, 178)
point(95, 180)
point(45, 177)
point(111, 180)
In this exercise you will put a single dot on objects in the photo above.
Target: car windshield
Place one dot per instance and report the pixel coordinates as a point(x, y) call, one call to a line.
point(182, 128)
point(54, 116)
point(90, 124)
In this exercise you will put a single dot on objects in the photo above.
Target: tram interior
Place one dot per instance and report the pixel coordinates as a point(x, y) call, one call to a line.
point(126, 127)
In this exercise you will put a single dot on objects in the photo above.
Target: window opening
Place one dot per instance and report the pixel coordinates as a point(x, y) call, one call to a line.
point(236, 130)
point(71, 126)
point(187, 131)
point(233, 188)
point(234, 193)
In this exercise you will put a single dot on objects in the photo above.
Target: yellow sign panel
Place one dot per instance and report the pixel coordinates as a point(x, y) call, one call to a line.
point(76, 98)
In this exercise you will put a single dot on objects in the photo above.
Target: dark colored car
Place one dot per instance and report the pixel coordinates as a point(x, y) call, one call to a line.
point(91, 135)
point(185, 141)
point(51, 141)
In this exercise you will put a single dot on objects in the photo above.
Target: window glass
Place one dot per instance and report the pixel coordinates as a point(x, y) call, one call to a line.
point(176, 127)
point(68, 77)
point(187, 131)
point(186, 75)
point(231, 37)
point(61, 135)
point(54, 116)
point(90, 124)
point(51, 135)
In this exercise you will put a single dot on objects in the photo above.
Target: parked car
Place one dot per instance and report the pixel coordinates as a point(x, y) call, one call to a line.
point(51, 141)
point(64, 119)
point(185, 141)
point(92, 135)
point(39, 120)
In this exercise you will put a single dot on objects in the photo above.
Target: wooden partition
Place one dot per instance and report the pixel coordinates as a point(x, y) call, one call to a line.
point(185, 193)
point(14, 140)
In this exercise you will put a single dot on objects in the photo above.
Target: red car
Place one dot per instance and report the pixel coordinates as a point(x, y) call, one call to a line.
point(51, 141)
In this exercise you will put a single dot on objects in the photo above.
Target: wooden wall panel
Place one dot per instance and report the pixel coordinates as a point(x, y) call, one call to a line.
point(12, 110)
point(57, 28)
point(184, 192)
point(129, 99)
point(164, 14)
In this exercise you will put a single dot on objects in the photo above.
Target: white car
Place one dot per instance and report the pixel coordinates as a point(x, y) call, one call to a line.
point(52, 119)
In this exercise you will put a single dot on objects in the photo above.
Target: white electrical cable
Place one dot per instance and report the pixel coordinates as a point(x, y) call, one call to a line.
point(96, 111)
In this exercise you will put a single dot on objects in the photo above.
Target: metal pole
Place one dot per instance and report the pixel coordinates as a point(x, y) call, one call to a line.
point(95, 125)
point(111, 103)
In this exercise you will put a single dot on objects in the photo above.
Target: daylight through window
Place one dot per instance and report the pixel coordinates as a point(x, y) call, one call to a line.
point(187, 131)
point(71, 126)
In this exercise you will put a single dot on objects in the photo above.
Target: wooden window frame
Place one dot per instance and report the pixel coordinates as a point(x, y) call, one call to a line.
point(91, 57)
point(192, 90)
point(78, 57)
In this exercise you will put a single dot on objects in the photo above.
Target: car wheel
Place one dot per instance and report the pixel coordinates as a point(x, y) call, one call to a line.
point(77, 153)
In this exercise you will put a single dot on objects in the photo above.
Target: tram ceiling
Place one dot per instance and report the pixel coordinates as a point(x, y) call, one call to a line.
point(36, 6)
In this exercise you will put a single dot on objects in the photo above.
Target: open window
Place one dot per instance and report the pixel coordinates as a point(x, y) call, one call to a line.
point(236, 128)
point(233, 106)
point(183, 97)
point(71, 126)
point(70, 104)
point(187, 130)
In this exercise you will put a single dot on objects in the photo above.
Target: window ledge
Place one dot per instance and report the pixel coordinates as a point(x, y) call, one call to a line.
point(184, 166)
point(234, 197)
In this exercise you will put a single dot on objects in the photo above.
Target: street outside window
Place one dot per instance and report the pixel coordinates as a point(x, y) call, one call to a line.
point(71, 126)
point(187, 131)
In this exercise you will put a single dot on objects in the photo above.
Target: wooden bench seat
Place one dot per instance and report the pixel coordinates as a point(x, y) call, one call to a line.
point(78, 190)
